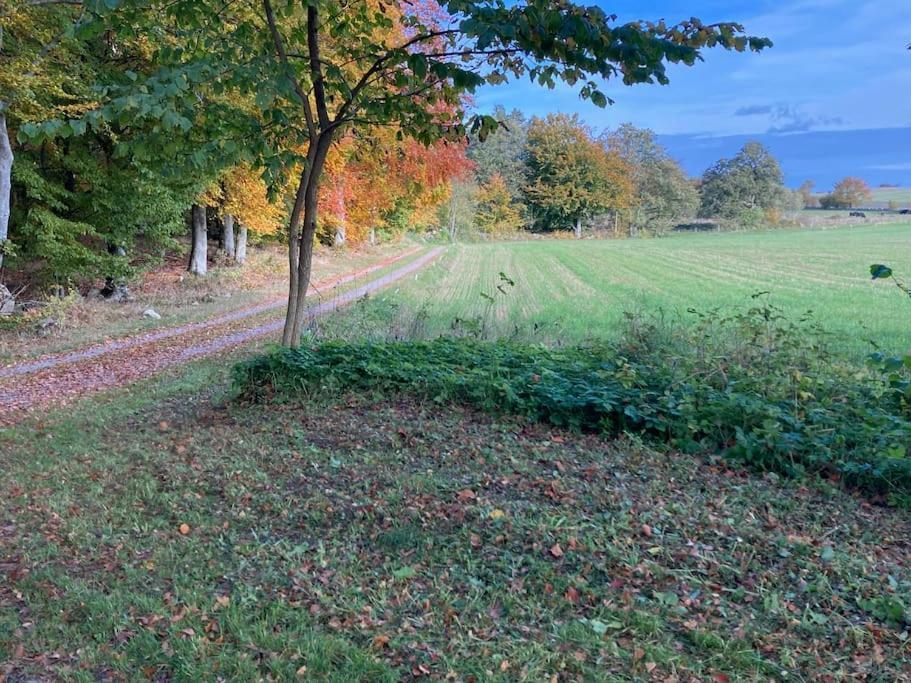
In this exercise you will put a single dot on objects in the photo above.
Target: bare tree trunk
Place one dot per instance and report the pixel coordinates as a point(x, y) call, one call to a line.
point(240, 252)
point(294, 239)
point(228, 222)
point(198, 254)
point(453, 225)
point(578, 228)
point(372, 236)
point(6, 172)
point(340, 238)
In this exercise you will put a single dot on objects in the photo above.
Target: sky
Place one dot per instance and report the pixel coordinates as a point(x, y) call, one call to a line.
point(836, 66)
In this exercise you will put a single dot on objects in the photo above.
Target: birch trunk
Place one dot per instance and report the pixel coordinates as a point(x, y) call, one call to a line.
point(6, 172)
point(199, 255)
point(578, 228)
point(240, 251)
point(228, 221)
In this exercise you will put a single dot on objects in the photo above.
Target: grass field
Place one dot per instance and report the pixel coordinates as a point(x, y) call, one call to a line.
point(883, 195)
point(567, 290)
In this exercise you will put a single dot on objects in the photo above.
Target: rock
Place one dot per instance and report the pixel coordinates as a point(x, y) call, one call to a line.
point(116, 291)
point(151, 313)
point(7, 301)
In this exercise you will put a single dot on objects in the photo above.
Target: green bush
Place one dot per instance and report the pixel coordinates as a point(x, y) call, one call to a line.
point(754, 386)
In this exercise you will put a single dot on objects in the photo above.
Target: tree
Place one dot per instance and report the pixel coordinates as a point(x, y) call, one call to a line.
point(742, 188)
point(573, 177)
point(497, 214)
point(503, 152)
point(375, 181)
point(318, 68)
point(6, 179)
point(847, 193)
point(36, 69)
point(808, 197)
point(663, 195)
point(459, 213)
point(80, 197)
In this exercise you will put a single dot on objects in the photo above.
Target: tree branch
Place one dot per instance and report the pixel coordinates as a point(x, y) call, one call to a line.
point(283, 57)
point(316, 69)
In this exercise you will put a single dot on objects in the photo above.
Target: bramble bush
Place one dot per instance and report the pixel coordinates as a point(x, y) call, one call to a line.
point(754, 386)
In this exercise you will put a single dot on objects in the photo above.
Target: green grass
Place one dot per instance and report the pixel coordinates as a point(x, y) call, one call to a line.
point(566, 290)
point(164, 533)
point(348, 541)
point(883, 195)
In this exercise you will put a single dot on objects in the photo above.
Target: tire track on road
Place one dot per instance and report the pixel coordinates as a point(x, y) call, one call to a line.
point(60, 379)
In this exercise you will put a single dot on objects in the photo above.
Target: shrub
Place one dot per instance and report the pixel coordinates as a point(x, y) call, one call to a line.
point(754, 386)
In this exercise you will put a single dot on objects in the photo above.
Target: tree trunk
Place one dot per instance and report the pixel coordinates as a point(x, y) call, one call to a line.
point(372, 237)
point(453, 225)
point(240, 251)
point(228, 222)
point(339, 240)
point(198, 254)
point(578, 228)
point(6, 172)
point(300, 238)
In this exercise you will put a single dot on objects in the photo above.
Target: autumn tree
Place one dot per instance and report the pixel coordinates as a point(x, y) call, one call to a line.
point(497, 213)
point(847, 193)
point(807, 195)
point(87, 187)
point(319, 68)
point(377, 180)
point(39, 78)
point(662, 193)
point(572, 176)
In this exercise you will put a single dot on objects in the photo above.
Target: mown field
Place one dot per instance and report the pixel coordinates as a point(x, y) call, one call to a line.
point(569, 290)
point(883, 195)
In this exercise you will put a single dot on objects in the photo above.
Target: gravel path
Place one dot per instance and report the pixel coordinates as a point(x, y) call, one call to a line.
point(58, 379)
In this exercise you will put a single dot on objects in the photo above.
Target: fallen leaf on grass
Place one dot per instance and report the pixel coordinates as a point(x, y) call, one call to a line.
point(556, 550)
point(184, 529)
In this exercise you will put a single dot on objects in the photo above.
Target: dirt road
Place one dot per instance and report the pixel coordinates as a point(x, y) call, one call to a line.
point(61, 378)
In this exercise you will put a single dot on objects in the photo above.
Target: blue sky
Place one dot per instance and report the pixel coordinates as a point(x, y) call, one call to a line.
point(837, 65)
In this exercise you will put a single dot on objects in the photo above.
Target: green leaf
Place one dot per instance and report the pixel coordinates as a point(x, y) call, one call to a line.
point(880, 272)
point(418, 64)
point(598, 626)
point(404, 573)
point(598, 99)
